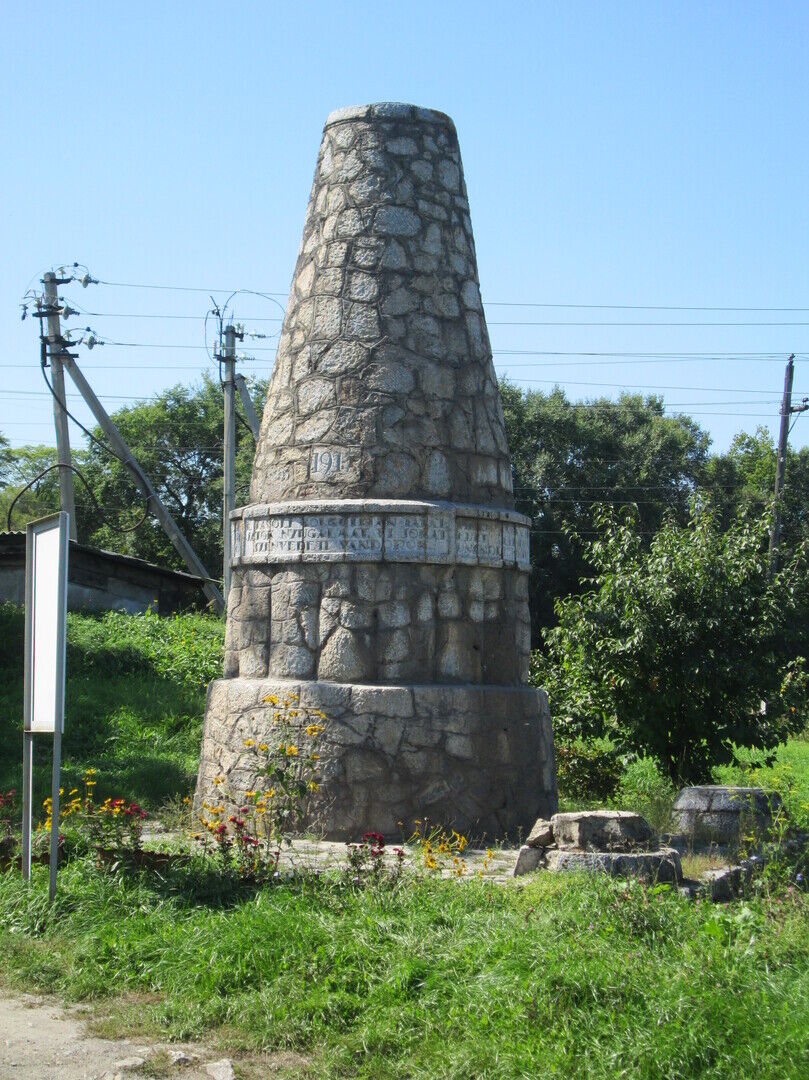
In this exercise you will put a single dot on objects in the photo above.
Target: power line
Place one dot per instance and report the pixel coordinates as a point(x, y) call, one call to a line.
point(632, 324)
point(633, 307)
point(491, 303)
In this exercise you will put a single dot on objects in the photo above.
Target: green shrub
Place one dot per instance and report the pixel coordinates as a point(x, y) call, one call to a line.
point(783, 770)
point(675, 643)
point(647, 790)
point(587, 770)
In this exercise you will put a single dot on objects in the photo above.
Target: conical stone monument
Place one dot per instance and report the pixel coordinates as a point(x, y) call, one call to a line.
point(380, 570)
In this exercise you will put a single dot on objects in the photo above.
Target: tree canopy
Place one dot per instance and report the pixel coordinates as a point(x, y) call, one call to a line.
point(566, 457)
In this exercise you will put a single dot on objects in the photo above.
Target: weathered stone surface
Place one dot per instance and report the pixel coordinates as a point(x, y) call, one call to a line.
point(380, 550)
point(541, 836)
point(716, 814)
point(396, 753)
point(658, 866)
point(529, 859)
point(602, 831)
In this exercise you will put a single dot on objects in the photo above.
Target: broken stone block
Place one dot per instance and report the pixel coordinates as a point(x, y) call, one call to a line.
point(715, 814)
point(528, 860)
point(602, 830)
point(541, 836)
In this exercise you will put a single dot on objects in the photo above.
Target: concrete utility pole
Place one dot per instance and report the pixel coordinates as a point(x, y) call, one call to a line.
point(55, 347)
point(228, 358)
point(787, 409)
point(190, 557)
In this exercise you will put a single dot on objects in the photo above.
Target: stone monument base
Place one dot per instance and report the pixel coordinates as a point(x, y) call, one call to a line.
point(476, 758)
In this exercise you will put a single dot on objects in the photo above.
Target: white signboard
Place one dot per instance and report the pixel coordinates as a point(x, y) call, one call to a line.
point(45, 612)
point(44, 691)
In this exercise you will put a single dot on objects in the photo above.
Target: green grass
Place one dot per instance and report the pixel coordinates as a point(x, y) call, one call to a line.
point(567, 976)
point(135, 697)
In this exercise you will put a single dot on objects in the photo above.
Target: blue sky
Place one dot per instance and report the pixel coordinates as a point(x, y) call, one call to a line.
point(615, 154)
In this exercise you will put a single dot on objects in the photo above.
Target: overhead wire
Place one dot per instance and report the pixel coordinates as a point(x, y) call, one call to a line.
point(105, 520)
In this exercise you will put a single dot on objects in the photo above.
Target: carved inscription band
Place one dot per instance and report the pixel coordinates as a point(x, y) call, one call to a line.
point(417, 532)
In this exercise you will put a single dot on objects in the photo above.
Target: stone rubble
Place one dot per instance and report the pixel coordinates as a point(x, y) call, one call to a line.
point(614, 842)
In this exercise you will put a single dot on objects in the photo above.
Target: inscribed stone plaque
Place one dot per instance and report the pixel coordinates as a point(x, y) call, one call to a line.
point(405, 537)
point(236, 531)
point(440, 536)
point(490, 544)
point(256, 537)
point(286, 538)
point(324, 536)
point(328, 463)
point(523, 551)
point(509, 550)
point(466, 540)
point(363, 537)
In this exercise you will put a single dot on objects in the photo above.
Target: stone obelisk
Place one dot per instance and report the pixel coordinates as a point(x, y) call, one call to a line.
point(380, 570)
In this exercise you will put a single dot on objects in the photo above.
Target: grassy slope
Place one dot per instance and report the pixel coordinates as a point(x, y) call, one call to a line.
point(135, 696)
point(567, 976)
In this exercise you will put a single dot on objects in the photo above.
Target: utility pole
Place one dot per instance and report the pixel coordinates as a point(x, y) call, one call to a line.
point(249, 407)
point(787, 409)
point(55, 347)
point(228, 358)
point(190, 557)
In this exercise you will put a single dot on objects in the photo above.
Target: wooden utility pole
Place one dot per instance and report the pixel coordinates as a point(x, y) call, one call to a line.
point(55, 348)
point(170, 526)
point(787, 409)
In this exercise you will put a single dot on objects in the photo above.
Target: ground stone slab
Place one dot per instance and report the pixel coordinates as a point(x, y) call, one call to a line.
point(655, 866)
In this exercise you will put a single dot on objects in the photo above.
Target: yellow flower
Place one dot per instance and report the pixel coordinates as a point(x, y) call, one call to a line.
point(74, 791)
point(313, 730)
point(263, 747)
point(271, 699)
point(249, 742)
point(219, 780)
point(292, 751)
point(261, 809)
point(249, 794)
point(313, 785)
point(270, 794)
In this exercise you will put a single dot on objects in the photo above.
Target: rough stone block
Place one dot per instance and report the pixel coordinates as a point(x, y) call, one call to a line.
point(602, 830)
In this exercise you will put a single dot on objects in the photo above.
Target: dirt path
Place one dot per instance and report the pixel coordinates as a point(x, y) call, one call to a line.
point(41, 1041)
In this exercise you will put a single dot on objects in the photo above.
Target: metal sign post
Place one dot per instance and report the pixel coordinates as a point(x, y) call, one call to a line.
point(44, 691)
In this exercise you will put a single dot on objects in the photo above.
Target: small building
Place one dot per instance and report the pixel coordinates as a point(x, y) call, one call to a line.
point(104, 580)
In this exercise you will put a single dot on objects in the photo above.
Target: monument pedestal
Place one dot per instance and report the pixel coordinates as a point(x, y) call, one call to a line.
point(475, 758)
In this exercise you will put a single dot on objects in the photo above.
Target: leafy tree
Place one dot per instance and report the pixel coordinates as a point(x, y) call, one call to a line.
point(176, 439)
point(744, 479)
point(19, 466)
point(673, 646)
point(567, 457)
